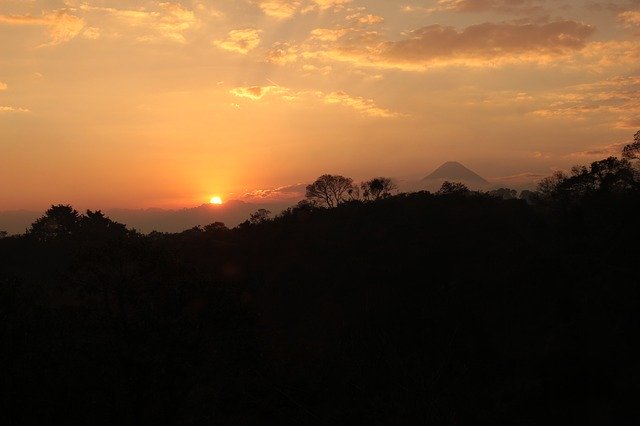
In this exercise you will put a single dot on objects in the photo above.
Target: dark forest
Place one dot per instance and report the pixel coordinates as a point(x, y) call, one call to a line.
point(456, 307)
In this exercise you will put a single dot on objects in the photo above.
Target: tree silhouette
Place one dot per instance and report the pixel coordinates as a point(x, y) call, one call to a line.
point(3, 234)
point(504, 193)
point(58, 221)
point(215, 227)
point(377, 188)
point(453, 188)
point(632, 150)
point(330, 190)
point(259, 216)
point(548, 186)
point(95, 224)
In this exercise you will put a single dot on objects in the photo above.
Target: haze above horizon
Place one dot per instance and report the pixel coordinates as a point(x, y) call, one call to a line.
point(138, 104)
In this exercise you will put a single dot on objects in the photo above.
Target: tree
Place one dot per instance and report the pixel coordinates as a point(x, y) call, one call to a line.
point(215, 228)
point(548, 186)
point(259, 216)
point(632, 151)
point(377, 188)
point(3, 234)
point(330, 190)
point(96, 225)
point(609, 176)
point(504, 193)
point(453, 188)
point(58, 221)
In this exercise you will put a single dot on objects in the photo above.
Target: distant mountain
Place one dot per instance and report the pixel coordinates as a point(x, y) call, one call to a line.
point(451, 171)
point(231, 213)
point(17, 221)
point(455, 172)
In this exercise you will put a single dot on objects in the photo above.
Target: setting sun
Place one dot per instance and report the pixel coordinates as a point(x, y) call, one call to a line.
point(216, 200)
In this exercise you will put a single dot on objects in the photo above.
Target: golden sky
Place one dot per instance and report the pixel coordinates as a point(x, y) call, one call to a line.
point(113, 103)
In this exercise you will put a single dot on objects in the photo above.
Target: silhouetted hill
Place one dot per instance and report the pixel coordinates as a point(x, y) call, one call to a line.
point(17, 221)
point(231, 213)
point(443, 309)
point(455, 172)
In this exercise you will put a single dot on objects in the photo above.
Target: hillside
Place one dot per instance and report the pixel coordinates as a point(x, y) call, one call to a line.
point(418, 308)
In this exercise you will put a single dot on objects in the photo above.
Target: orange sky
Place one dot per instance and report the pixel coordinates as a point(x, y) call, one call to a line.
point(111, 103)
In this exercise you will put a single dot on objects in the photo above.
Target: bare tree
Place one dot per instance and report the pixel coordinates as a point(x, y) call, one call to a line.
point(330, 190)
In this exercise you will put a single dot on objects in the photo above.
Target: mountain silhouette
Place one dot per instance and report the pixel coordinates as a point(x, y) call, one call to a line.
point(454, 171)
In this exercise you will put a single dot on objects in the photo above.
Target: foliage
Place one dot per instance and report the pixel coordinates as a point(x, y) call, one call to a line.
point(603, 178)
point(632, 150)
point(420, 309)
point(58, 221)
point(378, 188)
point(504, 193)
point(453, 188)
point(259, 216)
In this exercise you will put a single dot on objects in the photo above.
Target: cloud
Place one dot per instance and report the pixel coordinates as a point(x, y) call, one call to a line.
point(280, 9)
point(256, 92)
point(525, 177)
point(4, 109)
point(362, 105)
point(91, 33)
point(614, 100)
point(489, 40)
point(327, 4)
point(282, 53)
point(611, 150)
point(469, 6)
point(366, 19)
point(488, 44)
point(630, 18)
point(329, 34)
point(365, 106)
point(281, 193)
point(285, 9)
point(240, 41)
point(3, 86)
point(168, 21)
point(63, 26)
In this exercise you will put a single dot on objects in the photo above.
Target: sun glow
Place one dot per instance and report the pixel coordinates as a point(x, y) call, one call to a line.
point(216, 200)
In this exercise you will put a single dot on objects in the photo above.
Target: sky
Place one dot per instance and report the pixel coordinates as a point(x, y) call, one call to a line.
point(144, 103)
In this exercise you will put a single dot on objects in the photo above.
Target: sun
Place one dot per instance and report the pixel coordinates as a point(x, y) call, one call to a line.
point(216, 200)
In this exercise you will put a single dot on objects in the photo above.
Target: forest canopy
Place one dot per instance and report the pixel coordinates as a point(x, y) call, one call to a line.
point(359, 305)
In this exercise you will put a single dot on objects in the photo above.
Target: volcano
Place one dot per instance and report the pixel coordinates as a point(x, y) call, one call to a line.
point(455, 172)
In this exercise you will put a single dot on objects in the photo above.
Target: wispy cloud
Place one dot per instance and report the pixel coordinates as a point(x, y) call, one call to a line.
point(62, 24)
point(362, 105)
point(165, 21)
point(288, 192)
point(240, 41)
point(611, 150)
point(614, 99)
point(12, 109)
point(487, 44)
point(285, 9)
point(469, 6)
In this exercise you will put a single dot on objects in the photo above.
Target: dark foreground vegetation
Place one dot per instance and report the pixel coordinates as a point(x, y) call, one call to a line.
point(455, 308)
